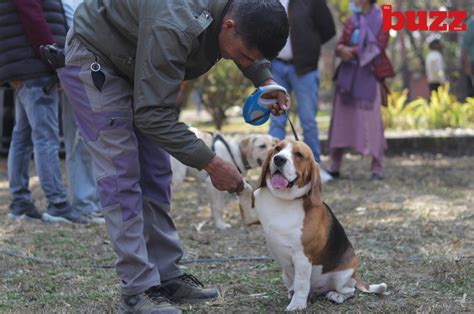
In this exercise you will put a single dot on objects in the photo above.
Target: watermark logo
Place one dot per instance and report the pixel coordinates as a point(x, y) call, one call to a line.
point(418, 20)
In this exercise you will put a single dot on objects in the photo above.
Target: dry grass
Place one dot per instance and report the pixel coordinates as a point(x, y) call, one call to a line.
point(414, 231)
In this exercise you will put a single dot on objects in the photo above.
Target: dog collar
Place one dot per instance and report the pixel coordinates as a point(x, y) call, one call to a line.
point(218, 137)
point(245, 162)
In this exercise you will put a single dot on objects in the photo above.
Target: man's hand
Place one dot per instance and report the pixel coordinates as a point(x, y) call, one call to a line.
point(283, 100)
point(224, 176)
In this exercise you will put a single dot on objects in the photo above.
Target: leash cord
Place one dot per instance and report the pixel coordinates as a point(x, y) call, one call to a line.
point(289, 120)
point(293, 128)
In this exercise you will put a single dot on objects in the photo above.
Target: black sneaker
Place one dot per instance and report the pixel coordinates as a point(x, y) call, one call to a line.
point(22, 209)
point(63, 213)
point(187, 289)
point(335, 174)
point(151, 301)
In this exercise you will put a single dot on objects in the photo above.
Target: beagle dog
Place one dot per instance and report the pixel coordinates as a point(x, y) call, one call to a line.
point(301, 231)
point(244, 152)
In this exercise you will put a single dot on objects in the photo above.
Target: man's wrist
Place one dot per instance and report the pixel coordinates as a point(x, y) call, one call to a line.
point(212, 165)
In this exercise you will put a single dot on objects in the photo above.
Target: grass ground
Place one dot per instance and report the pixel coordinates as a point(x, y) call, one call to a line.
point(414, 231)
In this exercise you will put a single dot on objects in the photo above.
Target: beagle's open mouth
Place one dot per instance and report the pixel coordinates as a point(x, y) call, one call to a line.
point(280, 182)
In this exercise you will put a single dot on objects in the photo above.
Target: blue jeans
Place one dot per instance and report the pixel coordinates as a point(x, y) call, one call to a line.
point(82, 187)
point(36, 131)
point(306, 89)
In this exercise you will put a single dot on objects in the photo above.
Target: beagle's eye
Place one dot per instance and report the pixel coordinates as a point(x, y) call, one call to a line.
point(299, 155)
point(277, 149)
point(263, 146)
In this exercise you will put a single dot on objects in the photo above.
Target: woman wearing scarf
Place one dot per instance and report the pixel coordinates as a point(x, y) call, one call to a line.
point(356, 120)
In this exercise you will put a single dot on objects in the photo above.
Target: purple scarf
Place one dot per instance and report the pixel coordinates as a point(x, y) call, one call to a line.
point(356, 82)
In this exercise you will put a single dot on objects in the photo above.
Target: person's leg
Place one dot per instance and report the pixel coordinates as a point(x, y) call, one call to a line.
point(105, 119)
point(377, 167)
point(280, 72)
point(306, 91)
point(82, 188)
point(41, 107)
point(19, 156)
point(335, 159)
point(162, 240)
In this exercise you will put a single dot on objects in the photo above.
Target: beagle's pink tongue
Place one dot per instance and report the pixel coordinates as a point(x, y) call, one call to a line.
point(279, 181)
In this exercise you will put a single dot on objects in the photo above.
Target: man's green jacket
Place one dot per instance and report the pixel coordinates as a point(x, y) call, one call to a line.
point(156, 44)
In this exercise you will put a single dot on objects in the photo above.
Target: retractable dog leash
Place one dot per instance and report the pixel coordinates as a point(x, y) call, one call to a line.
point(256, 110)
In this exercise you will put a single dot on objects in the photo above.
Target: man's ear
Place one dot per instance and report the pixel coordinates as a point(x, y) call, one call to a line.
point(228, 24)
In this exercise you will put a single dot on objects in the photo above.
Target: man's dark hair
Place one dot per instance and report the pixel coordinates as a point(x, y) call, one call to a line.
point(262, 24)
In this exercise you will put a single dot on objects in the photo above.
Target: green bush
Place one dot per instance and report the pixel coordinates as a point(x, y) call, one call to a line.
point(441, 111)
point(223, 86)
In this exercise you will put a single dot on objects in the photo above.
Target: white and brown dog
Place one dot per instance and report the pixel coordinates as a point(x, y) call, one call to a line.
point(244, 152)
point(301, 232)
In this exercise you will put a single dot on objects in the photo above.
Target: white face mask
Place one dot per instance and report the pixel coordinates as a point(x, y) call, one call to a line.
point(354, 7)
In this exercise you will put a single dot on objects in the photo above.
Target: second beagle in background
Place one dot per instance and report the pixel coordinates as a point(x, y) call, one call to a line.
point(301, 231)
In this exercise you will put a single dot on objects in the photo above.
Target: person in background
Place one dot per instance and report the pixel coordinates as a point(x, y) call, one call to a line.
point(125, 61)
point(82, 187)
point(296, 67)
point(434, 64)
point(356, 120)
point(29, 24)
point(468, 55)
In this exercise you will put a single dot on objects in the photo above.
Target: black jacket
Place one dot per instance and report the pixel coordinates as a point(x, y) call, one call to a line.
point(18, 60)
point(311, 25)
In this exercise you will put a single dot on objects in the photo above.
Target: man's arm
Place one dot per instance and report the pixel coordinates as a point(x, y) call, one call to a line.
point(36, 28)
point(159, 70)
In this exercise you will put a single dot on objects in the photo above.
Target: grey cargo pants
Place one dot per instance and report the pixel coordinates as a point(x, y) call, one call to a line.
point(133, 173)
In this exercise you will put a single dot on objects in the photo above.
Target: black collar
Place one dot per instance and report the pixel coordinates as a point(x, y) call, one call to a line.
point(245, 161)
point(218, 137)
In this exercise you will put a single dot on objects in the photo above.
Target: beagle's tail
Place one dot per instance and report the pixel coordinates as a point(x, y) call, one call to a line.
point(380, 288)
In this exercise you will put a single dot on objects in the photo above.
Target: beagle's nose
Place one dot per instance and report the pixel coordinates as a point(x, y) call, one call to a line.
point(279, 160)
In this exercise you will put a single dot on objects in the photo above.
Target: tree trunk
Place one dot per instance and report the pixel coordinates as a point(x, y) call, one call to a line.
point(403, 53)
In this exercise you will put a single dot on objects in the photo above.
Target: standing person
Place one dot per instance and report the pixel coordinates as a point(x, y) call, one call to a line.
point(434, 64)
point(82, 188)
point(356, 120)
point(30, 24)
point(468, 55)
point(125, 61)
point(296, 67)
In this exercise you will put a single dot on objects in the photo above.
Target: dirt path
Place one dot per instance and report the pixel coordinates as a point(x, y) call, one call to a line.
point(414, 231)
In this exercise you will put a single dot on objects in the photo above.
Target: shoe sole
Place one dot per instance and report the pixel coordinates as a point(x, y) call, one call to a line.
point(121, 310)
point(56, 219)
point(22, 217)
point(193, 301)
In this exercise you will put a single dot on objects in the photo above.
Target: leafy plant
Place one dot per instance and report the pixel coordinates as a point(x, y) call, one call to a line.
point(222, 87)
point(443, 110)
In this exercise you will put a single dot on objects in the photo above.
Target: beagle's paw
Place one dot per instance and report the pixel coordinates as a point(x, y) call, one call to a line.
point(222, 225)
point(246, 204)
point(296, 304)
point(337, 297)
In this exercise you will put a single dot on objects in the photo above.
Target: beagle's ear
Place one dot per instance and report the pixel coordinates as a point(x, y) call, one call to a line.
point(245, 146)
point(265, 168)
point(314, 194)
